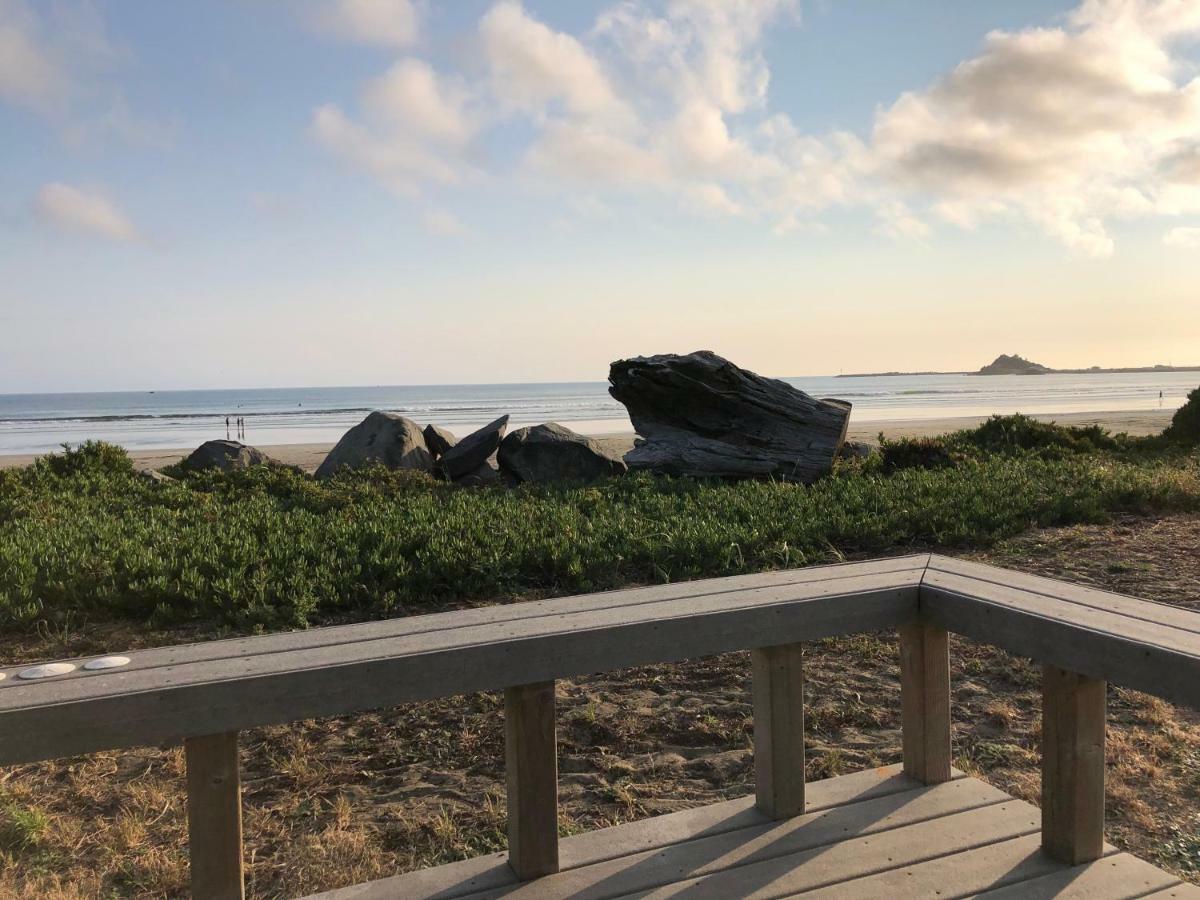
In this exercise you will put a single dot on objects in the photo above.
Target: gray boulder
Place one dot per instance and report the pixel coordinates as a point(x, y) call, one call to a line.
point(483, 475)
point(474, 450)
point(551, 452)
point(439, 440)
point(382, 437)
point(701, 415)
point(225, 456)
point(857, 450)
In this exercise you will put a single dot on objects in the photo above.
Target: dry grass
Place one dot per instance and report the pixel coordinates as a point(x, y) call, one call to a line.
point(333, 802)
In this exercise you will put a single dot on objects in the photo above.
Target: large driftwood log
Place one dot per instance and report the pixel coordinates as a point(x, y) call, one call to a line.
point(701, 415)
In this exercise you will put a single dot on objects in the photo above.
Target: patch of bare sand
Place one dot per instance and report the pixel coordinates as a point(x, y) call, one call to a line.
point(309, 456)
point(337, 801)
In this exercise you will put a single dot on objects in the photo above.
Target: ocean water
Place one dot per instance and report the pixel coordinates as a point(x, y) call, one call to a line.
point(34, 423)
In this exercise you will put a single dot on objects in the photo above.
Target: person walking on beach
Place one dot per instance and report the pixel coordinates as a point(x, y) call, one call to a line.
point(227, 428)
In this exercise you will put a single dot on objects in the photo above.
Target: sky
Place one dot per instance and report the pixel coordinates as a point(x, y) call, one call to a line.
point(245, 193)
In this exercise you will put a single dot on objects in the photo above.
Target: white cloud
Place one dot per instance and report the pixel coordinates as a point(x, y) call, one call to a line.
point(1065, 128)
point(87, 210)
point(395, 23)
point(1183, 237)
point(444, 224)
point(532, 65)
point(1068, 127)
point(417, 128)
point(56, 59)
point(29, 75)
point(897, 222)
point(410, 97)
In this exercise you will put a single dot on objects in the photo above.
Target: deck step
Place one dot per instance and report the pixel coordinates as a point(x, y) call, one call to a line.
point(872, 834)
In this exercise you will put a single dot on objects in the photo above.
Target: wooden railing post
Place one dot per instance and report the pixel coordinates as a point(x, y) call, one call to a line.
point(214, 803)
point(925, 701)
point(778, 685)
point(531, 759)
point(1073, 718)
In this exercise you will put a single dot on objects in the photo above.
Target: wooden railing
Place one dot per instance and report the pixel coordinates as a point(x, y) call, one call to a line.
point(203, 694)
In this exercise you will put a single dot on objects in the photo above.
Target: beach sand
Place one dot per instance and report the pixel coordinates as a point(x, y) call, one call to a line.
point(309, 456)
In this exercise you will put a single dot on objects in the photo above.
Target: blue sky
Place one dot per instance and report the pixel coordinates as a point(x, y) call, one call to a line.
point(261, 192)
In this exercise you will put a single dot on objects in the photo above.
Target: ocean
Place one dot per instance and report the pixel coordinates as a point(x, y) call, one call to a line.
point(35, 423)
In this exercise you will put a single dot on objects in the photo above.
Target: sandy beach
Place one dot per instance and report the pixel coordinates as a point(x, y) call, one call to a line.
point(309, 456)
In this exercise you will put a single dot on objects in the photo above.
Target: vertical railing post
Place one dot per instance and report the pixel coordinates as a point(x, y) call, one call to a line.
point(778, 685)
point(1073, 717)
point(214, 804)
point(531, 760)
point(925, 701)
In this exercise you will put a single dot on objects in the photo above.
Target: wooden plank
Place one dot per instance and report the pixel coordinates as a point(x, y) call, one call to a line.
point(235, 649)
point(1117, 876)
point(856, 854)
point(713, 866)
point(1182, 891)
point(531, 764)
point(214, 803)
point(1036, 627)
point(492, 871)
point(925, 701)
point(1073, 718)
point(778, 685)
point(957, 873)
point(1069, 592)
point(167, 704)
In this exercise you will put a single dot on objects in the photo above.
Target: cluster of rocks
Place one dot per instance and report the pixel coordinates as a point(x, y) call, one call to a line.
point(697, 415)
point(537, 453)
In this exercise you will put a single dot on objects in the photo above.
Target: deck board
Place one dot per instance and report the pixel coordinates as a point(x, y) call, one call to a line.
point(871, 834)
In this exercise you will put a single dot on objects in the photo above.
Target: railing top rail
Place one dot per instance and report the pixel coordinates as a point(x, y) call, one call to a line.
point(175, 692)
point(1151, 647)
point(170, 693)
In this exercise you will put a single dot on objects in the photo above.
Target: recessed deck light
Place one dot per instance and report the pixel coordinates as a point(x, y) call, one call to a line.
point(49, 670)
point(106, 662)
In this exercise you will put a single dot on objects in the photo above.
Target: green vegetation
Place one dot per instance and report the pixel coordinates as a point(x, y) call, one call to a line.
point(84, 535)
point(1185, 425)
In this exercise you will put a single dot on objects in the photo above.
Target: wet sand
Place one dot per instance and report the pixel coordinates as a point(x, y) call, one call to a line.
point(309, 456)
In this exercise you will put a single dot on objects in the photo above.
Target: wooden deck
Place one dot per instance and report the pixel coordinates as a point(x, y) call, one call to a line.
point(925, 832)
point(872, 834)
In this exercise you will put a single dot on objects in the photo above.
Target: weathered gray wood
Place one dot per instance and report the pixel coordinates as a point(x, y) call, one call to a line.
point(531, 767)
point(1073, 719)
point(852, 856)
point(214, 804)
point(925, 701)
point(1081, 595)
point(693, 853)
point(168, 703)
point(701, 415)
point(493, 872)
point(954, 874)
point(1127, 651)
point(235, 650)
point(1117, 876)
point(778, 684)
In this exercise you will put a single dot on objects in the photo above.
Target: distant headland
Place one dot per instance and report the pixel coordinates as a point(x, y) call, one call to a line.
point(1019, 365)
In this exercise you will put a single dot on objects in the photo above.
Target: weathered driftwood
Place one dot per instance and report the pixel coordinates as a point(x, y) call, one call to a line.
point(702, 415)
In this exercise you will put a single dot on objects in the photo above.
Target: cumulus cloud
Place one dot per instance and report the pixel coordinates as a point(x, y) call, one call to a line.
point(395, 23)
point(1066, 128)
point(30, 76)
point(56, 60)
point(85, 210)
point(1183, 237)
point(416, 127)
